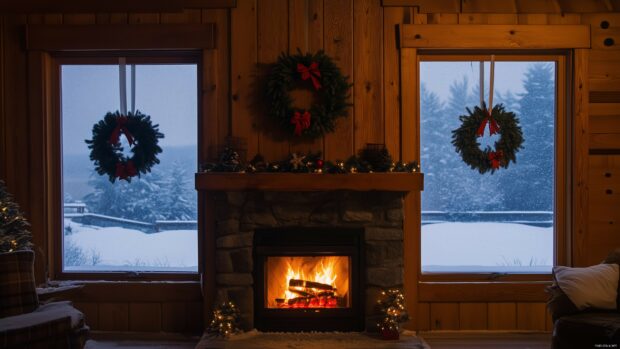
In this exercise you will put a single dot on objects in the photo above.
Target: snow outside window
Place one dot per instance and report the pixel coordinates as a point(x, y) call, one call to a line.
point(149, 224)
point(500, 222)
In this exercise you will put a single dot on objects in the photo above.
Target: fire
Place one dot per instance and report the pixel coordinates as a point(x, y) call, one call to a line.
point(308, 282)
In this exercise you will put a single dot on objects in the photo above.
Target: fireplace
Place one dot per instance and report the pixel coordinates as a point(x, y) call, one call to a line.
point(258, 233)
point(309, 279)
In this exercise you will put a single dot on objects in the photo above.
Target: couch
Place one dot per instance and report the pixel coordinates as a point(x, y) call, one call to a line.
point(24, 321)
point(590, 327)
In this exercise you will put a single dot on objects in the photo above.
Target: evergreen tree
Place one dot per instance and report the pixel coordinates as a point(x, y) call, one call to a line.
point(14, 228)
point(435, 146)
point(177, 199)
point(124, 200)
point(530, 185)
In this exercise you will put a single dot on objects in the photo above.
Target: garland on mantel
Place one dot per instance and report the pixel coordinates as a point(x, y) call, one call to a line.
point(311, 163)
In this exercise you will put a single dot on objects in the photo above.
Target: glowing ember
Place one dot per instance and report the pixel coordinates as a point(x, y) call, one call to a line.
point(308, 282)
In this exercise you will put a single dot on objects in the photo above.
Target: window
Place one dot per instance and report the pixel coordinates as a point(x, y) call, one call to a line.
point(150, 224)
point(504, 222)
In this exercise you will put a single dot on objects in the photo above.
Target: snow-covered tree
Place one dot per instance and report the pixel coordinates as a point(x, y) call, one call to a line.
point(531, 185)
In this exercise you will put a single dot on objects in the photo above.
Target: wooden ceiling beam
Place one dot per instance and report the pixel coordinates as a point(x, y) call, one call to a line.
point(90, 6)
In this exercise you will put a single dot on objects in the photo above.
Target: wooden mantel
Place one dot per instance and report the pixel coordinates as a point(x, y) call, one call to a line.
point(224, 181)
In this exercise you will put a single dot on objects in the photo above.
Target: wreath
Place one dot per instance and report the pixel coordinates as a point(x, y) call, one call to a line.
point(107, 151)
point(321, 75)
point(500, 121)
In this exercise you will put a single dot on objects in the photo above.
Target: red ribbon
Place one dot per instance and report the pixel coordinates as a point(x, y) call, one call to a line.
point(493, 126)
point(125, 170)
point(121, 127)
point(301, 121)
point(495, 158)
point(311, 72)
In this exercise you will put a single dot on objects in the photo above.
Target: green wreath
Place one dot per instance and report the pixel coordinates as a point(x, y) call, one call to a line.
point(107, 152)
point(321, 75)
point(473, 125)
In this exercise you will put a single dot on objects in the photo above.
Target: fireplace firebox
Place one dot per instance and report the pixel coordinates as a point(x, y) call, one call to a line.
point(308, 279)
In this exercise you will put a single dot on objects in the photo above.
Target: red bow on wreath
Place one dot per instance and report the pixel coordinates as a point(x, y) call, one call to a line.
point(121, 127)
point(311, 72)
point(301, 121)
point(493, 126)
point(495, 157)
point(125, 170)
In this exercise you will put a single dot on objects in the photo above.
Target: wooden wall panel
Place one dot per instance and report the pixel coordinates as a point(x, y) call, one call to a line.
point(243, 72)
point(473, 316)
point(604, 200)
point(145, 317)
point(502, 316)
point(368, 86)
point(444, 316)
point(580, 158)
point(393, 17)
point(338, 33)
point(113, 316)
point(423, 316)
point(272, 41)
point(531, 316)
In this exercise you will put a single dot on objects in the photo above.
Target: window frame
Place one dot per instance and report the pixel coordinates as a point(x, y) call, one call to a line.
point(561, 227)
point(56, 60)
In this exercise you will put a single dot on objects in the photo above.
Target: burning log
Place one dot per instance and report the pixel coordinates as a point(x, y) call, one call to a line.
point(301, 293)
point(310, 284)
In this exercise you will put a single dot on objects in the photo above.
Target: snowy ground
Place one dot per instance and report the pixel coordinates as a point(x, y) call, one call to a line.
point(115, 248)
point(495, 247)
point(446, 247)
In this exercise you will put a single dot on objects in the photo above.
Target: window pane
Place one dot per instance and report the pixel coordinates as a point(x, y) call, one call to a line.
point(149, 224)
point(501, 222)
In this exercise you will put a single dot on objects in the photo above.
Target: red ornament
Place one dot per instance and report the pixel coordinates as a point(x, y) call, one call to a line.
point(301, 121)
point(319, 163)
point(311, 72)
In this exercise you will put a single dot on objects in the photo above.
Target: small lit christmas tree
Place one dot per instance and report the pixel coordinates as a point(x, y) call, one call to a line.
point(14, 228)
point(225, 320)
point(392, 307)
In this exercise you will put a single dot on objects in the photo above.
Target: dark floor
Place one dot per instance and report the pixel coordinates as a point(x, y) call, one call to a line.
point(437, 340)
point(487, 340)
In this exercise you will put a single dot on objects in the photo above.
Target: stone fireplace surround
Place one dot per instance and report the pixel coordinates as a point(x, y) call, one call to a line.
point(239, 213)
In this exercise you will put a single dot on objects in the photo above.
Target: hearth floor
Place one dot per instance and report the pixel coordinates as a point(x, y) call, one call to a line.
point(312, 340)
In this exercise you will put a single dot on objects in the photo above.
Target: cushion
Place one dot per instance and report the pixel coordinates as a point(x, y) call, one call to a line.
point(591, 287)
point(18, 294)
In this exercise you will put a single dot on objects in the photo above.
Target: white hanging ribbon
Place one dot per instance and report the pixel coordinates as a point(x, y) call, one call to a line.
point(481, 83)
point(122, 84)
point(492, 79)
point(133, 88)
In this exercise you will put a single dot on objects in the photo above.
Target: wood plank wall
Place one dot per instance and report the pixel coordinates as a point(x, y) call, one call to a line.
point(359, 35)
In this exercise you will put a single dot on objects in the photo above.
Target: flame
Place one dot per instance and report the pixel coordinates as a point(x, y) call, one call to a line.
point(324, 270)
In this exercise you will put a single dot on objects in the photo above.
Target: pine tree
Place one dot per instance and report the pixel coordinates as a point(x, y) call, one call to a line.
point(14, 228)
point(530, 186)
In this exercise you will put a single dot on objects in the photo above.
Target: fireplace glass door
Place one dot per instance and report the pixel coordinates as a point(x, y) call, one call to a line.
point(307, 282)
point(308, 279)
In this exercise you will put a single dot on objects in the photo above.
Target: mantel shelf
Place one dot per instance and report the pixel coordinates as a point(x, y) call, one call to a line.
point(224, 181)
